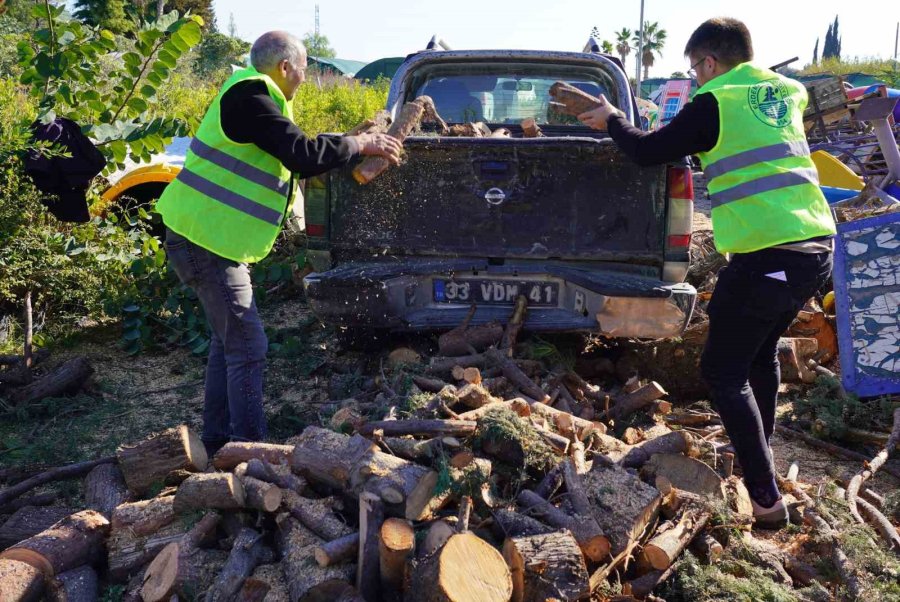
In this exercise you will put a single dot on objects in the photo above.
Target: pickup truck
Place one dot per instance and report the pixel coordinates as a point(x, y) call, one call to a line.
point(593, 241)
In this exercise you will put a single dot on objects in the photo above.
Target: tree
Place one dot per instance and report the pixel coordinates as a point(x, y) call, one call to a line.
point(232, 26)
point(832, 48)
point(595, 33)
point(607, 47)
point(678, 75)
point(317, 45)
point(107, 14)
point(815, 60)
point(218, 52)
point(654, 41)
point(623, 47)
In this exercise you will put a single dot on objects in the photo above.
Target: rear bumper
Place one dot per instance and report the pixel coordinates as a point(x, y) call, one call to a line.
point(399, 295)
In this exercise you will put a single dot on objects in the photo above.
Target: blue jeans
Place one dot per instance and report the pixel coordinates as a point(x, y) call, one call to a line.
point(232, 405)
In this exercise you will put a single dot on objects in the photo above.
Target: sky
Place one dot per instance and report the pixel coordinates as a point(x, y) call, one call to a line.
point(367, 30)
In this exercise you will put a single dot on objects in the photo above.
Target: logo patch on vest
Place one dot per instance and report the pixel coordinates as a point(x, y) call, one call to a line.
point(770, 101)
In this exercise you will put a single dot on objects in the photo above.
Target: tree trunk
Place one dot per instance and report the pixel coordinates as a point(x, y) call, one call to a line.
point(548, 566)
point(105, 489)
point(205, 490)
point(29, 521)
point(338, 550)
point(64, 380)
point(246, 552)
point(20, 582)
point(146, 464)
point(409, 118)
point(593, 543)
point(371, 518)
point(77, 585)
point(622, 504)
point(316, 515)
point(466, 568)
point(327, 457)
point(474, 396)
point(182, 568)
point(397, 544)
point(235, 452)
point(303, 575)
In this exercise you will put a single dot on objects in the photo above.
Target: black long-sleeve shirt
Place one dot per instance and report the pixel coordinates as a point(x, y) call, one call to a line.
point(694, 129)
point(250, 115)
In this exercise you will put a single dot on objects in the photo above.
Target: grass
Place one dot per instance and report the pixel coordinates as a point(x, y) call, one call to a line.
point(505, 426)
point(833, 414)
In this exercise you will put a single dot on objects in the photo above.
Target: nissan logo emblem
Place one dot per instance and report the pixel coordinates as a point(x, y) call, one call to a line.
point(495, 196)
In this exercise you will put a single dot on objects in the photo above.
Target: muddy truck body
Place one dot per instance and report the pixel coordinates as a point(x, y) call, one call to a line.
point(592, 240)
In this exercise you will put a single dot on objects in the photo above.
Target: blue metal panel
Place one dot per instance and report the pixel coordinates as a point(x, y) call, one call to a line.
point(867, 293)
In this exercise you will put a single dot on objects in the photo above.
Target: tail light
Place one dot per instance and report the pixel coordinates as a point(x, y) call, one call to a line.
point(316, 207)
point(679, 223)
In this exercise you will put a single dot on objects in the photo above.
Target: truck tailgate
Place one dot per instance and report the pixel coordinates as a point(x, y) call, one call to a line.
point(567, 198)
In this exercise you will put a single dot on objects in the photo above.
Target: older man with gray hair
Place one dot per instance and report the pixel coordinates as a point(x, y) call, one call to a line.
point(226, 208)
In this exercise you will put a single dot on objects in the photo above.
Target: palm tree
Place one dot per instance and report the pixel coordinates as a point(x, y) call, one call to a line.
point(654, 41)
point(623, 47)
point(607, 47)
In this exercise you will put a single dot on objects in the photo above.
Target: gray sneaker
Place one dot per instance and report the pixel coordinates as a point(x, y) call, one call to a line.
point(774, 517)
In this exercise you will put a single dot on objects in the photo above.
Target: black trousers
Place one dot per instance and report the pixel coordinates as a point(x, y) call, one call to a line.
point(756, 298)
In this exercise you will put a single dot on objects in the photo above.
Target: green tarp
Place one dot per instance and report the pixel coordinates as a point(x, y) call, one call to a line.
point(342, 66)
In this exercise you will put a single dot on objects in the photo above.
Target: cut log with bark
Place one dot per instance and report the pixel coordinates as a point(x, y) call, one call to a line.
point(236, 452)
point(105, 489)
point(261, 495)
point(530, 128)
point(28, 521)
point(430, 114)
point(632, 402)
point(144, 517)
point(182, 568)
point(408, 120)
point(20, 581)
point(218, 490)
point(664, 548)
point(515, 375)
point(317, 515)
point(128, 552)
point(572, 101)
point(327, 457)
point(73, 541)
point(338, 550)
point(872, 467)
point(146, 464)
point(406, 488)
point(39, 499)
point(466, 568)
point(633, 456)
point(463, 475)
point(465, 339)
point(548, 566)
point(77, 585)
point(277, 474)
point(514, 325)
point(304, 576)
point(563, 420)
point(371, 519)
point(474, 396)
point(69, 471)
point(593, 543)
point(517, 405)
point(425, 428)
point(420, 450)
point(253, 590)
point(707, 548)
point(622, 505)
point(688, 474)
point(508, 523)
point(246, 553)
point(64, 380)
point(273, 576)
point(397, 545)
point(377, 125)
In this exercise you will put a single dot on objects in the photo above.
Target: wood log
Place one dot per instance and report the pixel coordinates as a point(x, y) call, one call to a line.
point(831, 448)
point(235, 452)
point(622, 504)
point(316, 515)
point(420, 451)
point(69, 471)
point(662, 551)
point(707, 548)
point(39, 499)
point(327, 457)
point(514, 325)
point(405, 487)
point(145, 464)
point(431, 385)
point(128, 552)
point(572, 101)
point(396, 545)
point(685, 473)
point(73, 541)
point(65, 379)
point(29, 521)
point(508, 523)
point(552, 480)
point(430, 114)
point(463, 476)
point(305, 578)
point(219, 490)
point(632, 402)
point(583, 428)
point(253, 590)
point(261, 495)
point(466, 568)
point(277, 474)
point(105, 489)
point(464, 339)
point(182, 568)
point(338, 550)
point(378, 125)
point(548, 566)
point(371, 518)
point(144, 517)
point(408, 120)
point(581, 503)
point(872, 467)
point(593, 543)
point(455, 428)
point(20, 582)
point(474, 395)
point(246, 553)
point(633, 456)
point(443, 365)
point(530, 128)
point(436, 536)
point(515, 375)
point(273, 576)
point(517, 405)
point(76, 585)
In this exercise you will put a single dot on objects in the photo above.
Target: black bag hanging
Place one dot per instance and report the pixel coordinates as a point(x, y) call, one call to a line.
point(64, 179)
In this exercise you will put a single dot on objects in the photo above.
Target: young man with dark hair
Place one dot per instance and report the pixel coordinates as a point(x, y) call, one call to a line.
point(745, 123)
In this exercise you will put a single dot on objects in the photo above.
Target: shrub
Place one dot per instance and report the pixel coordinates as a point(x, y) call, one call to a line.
point(330, 103)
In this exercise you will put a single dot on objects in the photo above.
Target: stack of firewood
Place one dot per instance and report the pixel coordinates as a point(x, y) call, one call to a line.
point(443, 504)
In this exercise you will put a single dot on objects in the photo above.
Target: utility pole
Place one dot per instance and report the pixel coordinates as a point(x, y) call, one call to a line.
point(640, 55)
point(317, 21)
point(896, 38)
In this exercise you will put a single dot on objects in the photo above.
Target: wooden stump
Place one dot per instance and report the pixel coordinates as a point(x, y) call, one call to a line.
point(235, 452)
point(246, 552)
point(147, 463)
point(545, 567)
point(182, 568)
point(29, 521)
point(327, 457)
point(623, 505)
point(20, 582)
point(105, 489)
point(397, 544)
point(206, 490)
point(466, 568)
point(75, 540)
point(77, 585)
point(303, 575)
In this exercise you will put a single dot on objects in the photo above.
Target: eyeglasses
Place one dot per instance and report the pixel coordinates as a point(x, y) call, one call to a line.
point(692, 72)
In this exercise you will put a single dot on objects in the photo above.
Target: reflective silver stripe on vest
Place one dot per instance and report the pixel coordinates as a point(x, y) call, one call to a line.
point(229, 197)
point(795, 148)
point(238, 167)
point(764, 184)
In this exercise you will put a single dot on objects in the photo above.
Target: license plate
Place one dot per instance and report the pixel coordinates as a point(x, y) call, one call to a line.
point(495, 292)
